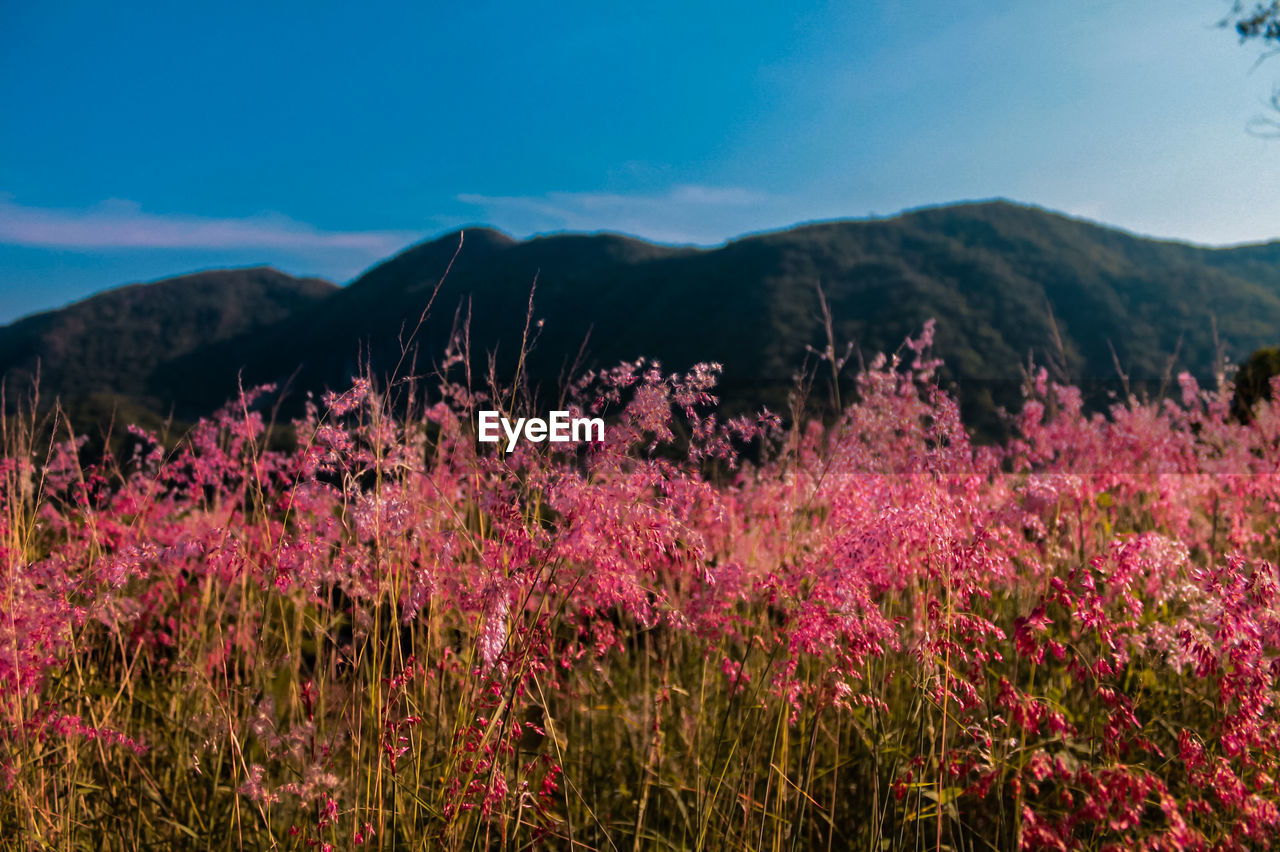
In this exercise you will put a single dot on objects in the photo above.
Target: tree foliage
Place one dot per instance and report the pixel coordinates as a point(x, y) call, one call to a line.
point(1253, 381)
point(1256, 20)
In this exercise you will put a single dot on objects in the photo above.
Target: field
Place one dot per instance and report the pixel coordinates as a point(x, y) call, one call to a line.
point(851, 632)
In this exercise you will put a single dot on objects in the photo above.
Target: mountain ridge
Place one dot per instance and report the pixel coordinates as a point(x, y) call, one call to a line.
point(1004, 281)
point(110, 342)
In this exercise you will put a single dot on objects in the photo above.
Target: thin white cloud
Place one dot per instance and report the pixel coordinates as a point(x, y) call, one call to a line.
point(117, 224)
point(682, 214)
point(721, 196)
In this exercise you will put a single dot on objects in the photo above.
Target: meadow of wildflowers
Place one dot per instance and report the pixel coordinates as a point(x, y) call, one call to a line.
point(852, 632)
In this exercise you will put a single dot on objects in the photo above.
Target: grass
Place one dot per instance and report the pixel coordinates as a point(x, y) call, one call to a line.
point(863, 634)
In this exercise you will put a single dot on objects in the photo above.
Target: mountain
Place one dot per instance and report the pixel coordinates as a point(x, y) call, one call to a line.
point(1005, 282)
point(111, 344)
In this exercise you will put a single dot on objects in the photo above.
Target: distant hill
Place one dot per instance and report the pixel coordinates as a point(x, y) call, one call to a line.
point(112, 343)
point(1005, 282)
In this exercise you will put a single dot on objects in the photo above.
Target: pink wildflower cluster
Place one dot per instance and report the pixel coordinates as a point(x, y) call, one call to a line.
point(367, 628)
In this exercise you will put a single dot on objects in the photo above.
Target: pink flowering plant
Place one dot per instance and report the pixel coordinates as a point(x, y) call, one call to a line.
point(368, 629)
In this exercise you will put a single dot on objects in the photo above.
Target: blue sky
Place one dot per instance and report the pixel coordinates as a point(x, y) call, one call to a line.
point(147, 139)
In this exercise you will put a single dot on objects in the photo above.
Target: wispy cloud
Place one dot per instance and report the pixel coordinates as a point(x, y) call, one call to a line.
point(682, 214)
point(117, 224)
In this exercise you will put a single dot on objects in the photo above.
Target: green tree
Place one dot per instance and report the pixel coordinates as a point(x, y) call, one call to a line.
point(1253, 381)
point(1255, 21)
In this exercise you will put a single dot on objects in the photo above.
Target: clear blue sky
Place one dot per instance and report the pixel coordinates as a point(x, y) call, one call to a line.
point(145, 139)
